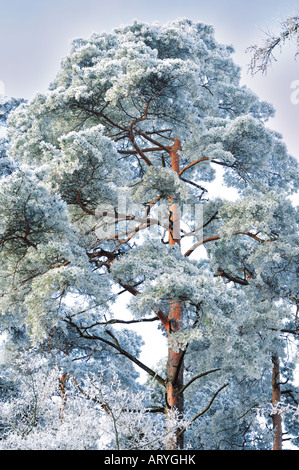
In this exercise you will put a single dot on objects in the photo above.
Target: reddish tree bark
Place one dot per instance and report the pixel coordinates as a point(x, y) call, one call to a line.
point(276, 397)
point(174, 381)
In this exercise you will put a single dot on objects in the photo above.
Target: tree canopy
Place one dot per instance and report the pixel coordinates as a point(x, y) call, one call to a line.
point(109, 195)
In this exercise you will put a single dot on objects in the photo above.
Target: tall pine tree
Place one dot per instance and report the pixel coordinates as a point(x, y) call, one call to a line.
point(111, 196)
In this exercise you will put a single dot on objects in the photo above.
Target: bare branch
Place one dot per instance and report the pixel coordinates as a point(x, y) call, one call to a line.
point(203, 374)
point(116, 346)
point(262, 56)
point(181, 431)
point(217, 237)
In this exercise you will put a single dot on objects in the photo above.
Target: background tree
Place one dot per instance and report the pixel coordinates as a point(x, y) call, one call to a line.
point(130, 132)
point(263, 54)
point(262, 57)
point(6, 107)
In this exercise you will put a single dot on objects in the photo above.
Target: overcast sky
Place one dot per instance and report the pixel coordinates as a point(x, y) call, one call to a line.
point(36, 34)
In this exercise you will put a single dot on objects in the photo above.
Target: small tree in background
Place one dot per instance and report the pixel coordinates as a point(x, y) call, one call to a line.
point(263, 54)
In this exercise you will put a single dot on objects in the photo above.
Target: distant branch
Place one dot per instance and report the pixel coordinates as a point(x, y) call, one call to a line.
point(203, 374)
point(115, 344)
point(203, 411)
point(262, 56)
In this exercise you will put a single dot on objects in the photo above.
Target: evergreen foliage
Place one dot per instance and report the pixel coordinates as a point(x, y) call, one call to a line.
point(86, 217)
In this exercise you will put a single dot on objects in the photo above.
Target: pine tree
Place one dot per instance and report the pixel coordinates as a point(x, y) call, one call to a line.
point(111, 197)
point(6, 107)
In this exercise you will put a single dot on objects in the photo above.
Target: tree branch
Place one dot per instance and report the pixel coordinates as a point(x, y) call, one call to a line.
point(116, 346)
point(115, 321)
point(181, 431)
point(238, 280)
point(133, 152)
point(203, 159)
point(217, 237)
point(162, 317)
point(203, 374)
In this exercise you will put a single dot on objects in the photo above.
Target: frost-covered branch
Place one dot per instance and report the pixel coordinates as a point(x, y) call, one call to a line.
point(263, 55)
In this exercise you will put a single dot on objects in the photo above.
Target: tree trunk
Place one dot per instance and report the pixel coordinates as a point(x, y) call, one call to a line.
point(175, 399)
point(276, 398)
